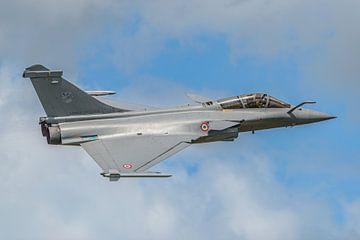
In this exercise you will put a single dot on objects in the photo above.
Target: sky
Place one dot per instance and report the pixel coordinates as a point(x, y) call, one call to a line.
point(294, 183)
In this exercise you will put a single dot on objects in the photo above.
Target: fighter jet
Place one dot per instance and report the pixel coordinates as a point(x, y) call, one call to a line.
point(125, 141)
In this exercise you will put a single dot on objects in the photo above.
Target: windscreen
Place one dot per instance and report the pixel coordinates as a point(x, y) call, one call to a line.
point(253, 100)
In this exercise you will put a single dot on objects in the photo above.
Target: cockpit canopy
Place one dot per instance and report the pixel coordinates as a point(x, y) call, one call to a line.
point(253, 100)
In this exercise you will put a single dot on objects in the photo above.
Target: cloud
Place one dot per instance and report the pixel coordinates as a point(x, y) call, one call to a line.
point(232, 193)
point(56, 192)
point(353, 220)
point(320, 36)
point(337, 62)
point(171, 93)
point(50, 32)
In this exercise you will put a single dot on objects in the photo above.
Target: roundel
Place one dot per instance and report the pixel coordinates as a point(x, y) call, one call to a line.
point(67, 97)
point(127, 166)
point(204, 126)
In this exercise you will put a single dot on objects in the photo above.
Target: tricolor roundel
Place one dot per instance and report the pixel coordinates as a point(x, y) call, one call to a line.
point(127, 166)
point(204, 126)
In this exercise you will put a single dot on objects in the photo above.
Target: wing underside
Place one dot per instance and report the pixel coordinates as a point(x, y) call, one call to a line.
point(130, 155)
point(133, 155)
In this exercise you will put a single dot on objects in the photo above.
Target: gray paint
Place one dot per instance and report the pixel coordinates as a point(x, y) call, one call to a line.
point(127, 142)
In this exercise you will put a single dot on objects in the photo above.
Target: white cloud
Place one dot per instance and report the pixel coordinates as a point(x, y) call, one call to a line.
point(56, 192)
point(320, 36)
point(51, 32)
point(321, 33)
point(353, 220)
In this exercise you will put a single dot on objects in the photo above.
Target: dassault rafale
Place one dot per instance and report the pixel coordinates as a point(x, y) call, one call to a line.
point(125, 141)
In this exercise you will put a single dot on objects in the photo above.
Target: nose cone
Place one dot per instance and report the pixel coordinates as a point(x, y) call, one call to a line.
point(319, 116)
point(305, 116)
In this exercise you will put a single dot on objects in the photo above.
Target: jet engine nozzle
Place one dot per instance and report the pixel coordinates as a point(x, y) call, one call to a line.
point(53, 135)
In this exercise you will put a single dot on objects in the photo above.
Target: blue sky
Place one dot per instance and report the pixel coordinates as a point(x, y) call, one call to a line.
point(294, 183)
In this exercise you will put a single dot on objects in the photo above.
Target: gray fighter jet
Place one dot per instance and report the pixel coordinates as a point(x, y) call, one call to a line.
point(125, 141)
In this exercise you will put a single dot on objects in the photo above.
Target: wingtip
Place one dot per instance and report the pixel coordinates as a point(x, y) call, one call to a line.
point(36, 67)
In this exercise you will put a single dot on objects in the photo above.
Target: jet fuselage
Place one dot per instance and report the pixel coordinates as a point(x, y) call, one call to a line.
point(181, 120)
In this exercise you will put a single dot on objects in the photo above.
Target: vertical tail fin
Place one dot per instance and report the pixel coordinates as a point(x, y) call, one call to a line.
point(60, 97)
